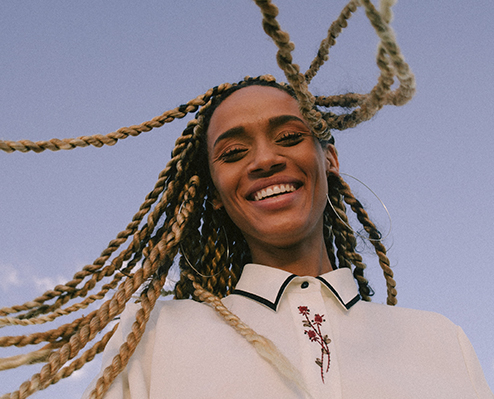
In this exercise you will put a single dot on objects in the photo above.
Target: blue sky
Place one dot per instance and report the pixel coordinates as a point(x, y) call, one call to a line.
point(79, 68)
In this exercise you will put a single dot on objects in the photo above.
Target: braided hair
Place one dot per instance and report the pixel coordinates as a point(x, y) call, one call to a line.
point(176, 223)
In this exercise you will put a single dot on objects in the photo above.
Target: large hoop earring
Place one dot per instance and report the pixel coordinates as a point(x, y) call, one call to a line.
point(197, 271)
point(350, 227)
point(190, 263)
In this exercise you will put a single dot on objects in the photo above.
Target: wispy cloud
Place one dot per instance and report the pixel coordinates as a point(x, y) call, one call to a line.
point(10, 278)
point(19, 284)
point(43, 284)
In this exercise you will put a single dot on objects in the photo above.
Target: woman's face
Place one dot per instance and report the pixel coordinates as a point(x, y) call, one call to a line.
point(269, 171)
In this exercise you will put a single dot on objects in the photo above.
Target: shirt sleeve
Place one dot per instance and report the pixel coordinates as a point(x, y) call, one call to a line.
point(473, 366)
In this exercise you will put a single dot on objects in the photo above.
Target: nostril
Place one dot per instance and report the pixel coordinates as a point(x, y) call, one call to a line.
point(267, 168)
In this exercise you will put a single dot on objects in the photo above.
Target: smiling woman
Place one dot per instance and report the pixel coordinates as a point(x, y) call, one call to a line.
point(272, 300)
point(270, 173)
point(264, 179)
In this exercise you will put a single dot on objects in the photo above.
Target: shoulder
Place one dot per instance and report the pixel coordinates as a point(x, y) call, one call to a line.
point(430, 349)
point(179, 320)
point(188, 320)
point(182, 309)
point(184, 312)
point(395, 314)
point(401, 325)
point(182, 329)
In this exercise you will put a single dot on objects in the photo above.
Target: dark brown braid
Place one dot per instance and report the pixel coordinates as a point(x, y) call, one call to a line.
point(344, 239)
point(375, 237)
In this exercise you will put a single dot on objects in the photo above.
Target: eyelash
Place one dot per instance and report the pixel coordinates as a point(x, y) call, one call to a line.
point(287, 139)
point(290, 138)
point(232, 154)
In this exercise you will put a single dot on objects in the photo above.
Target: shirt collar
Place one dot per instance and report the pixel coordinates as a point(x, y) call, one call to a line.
point(266, 285)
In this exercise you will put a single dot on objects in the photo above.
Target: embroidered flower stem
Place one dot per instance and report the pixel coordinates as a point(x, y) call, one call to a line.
point(315, 335)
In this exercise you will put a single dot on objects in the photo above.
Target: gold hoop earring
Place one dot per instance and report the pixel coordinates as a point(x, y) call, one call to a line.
point(350, 227)
point(197, 271)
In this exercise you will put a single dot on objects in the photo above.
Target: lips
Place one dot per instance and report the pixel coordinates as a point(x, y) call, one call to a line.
point(273, 190)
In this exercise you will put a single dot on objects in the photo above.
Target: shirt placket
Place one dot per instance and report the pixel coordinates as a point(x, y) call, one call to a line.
point(312, 325)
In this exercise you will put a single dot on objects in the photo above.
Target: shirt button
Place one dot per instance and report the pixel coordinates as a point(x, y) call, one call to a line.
point(305, 284)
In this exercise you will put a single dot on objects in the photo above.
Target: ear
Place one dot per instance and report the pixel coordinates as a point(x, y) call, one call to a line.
point(332, 163)
point(217, 203)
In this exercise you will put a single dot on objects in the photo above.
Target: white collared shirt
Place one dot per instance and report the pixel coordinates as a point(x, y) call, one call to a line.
point(343, 347)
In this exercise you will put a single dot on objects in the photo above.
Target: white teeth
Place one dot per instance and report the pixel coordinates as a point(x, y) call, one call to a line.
point(274, 190)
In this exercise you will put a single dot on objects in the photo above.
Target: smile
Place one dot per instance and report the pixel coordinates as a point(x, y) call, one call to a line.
point(273, 190)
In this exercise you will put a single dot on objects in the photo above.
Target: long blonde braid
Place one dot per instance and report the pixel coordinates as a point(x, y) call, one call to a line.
point(263, 346)
point(389, 60)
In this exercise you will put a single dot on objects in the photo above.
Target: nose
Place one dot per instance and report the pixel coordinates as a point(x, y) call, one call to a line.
point(266, 160)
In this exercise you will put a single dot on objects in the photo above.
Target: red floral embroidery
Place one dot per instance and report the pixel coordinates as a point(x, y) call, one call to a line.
point(303, 310)
point(315, 335)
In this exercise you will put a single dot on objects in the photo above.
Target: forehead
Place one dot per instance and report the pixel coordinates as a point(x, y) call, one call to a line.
point(250, 106)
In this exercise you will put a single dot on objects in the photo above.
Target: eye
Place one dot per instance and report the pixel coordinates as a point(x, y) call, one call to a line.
point(289, 138)
point(232, 154)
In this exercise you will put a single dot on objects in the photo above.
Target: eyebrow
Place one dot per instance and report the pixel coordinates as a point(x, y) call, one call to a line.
point(282, 119)
point(273, 122)
point(233, 132)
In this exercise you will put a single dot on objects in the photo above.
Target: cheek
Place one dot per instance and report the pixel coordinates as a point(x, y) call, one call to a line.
point(316, 162)
point(223, 179)
point(321, 184)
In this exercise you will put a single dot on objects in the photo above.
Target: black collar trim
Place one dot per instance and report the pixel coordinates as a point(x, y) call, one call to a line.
point(274, 305)
point(264, 301)
point(347, 305)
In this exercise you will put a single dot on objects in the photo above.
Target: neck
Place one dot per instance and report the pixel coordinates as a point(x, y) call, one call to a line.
point(302, 259)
